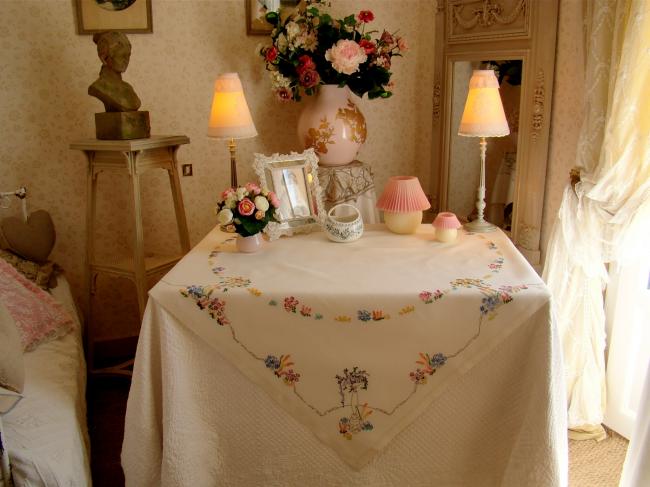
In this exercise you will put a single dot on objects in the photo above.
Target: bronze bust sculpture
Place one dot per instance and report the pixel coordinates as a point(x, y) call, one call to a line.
point(121, 119)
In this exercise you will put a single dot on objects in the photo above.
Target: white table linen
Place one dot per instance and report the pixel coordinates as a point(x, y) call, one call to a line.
point(191, 412)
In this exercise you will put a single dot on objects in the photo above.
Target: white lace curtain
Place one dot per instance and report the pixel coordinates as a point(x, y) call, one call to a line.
point(606, 218)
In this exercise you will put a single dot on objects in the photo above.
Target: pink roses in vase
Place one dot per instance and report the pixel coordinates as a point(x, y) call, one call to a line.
point(310, 48)
point(246, 210)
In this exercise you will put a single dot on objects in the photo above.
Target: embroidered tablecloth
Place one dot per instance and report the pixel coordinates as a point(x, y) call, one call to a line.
point(354, 340)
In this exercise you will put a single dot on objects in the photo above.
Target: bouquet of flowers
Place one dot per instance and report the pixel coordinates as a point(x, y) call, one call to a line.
point(309, 48)
point(246, 210)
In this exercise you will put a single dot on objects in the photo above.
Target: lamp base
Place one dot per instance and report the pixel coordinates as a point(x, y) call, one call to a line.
point(478, 226)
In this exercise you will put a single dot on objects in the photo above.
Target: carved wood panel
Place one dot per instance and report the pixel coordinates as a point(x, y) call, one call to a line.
point(472, 20)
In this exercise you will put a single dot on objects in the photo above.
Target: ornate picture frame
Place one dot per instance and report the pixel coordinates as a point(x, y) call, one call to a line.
point(294, 179)
point(127, 16)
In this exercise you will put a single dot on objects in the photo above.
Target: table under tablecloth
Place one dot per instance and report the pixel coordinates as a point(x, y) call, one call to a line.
point(353, 342)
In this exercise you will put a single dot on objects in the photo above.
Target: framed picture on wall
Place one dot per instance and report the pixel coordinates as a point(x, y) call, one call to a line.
point(256, 10)
point(128, 16)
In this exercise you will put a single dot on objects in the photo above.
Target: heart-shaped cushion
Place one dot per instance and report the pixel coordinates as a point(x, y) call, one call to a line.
point(33, 239)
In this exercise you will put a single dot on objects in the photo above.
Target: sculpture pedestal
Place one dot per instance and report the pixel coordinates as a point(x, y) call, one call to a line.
point(122, 125)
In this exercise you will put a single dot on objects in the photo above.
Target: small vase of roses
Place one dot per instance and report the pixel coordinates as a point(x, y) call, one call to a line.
point(246, 210)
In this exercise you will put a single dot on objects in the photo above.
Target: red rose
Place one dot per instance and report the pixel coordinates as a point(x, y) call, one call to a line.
point(246, 207)
point(369, 46)
point(271, 54)
point(366, 16)
point(284, 94)
point(309, 78)
point(305, 63)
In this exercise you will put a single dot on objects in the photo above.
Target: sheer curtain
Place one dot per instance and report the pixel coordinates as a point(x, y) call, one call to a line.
point(604, 219)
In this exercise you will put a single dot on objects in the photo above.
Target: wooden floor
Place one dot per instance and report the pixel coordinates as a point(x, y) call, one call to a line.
point(591, 464)
point(106, 407)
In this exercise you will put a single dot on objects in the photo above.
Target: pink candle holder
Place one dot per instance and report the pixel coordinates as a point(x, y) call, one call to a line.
point(446, 225)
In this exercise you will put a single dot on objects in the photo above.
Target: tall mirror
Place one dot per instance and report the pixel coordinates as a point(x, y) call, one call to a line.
point(517, 39)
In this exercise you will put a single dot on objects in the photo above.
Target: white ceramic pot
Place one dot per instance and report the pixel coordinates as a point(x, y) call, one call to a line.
point(249, 244)
point(333, 125)
point(346, 227)
point(405, 222)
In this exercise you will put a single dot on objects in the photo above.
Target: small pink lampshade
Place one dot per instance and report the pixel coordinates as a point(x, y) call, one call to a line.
point(446, 221)
point(403, 194)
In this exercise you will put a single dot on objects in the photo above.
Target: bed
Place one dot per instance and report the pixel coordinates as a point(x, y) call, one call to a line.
point(46, 434)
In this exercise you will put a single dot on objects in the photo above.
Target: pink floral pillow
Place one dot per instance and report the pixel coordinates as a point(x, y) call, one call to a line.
point(38, 316)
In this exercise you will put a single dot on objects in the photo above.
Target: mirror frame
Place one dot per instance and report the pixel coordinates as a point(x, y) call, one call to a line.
point(308, 161)
point(500, 30)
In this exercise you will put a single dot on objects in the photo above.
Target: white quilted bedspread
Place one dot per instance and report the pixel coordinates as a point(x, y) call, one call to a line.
point(46, 433)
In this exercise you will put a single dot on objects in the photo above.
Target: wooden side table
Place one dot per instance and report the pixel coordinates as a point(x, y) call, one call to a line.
point(352, 183)
point(132, 157)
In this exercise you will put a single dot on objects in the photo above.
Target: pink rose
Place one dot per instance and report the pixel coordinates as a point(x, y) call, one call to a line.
point(253, 188)
point(226, 193)
point(273, 199)
point(346, 56)
point(402, 44)
point(246, 207)
point(309, 79)
point(305, 63)
point(368, 46)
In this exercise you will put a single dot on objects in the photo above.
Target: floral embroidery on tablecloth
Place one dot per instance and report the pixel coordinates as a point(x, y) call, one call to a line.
point(292, 305)
point(202, 295)
point(281, 368)
point(376, 315)
point(430, 364)
point(428, 297)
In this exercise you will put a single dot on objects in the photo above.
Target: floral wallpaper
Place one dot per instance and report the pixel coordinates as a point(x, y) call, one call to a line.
point(44, 76)
point(45, 70)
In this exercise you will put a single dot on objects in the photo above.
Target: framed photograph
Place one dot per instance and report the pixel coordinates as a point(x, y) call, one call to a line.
point(256, 10)
point(128, 16)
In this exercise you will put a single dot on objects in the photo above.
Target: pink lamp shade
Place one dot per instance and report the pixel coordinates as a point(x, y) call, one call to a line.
point(446, 221)
point(403, 194)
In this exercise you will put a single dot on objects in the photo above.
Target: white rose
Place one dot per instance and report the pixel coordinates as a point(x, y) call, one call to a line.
point(241, 193)
point(282, 43)
point(224, 217)
point(261, 203)
point(231, 201)
point(293, 29)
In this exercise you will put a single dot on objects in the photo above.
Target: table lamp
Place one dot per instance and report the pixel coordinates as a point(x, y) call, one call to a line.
point(483, 117)
point(403, 202)
point(230, 117)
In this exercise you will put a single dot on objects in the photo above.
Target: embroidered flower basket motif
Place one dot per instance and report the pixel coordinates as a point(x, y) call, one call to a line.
point(350, 383)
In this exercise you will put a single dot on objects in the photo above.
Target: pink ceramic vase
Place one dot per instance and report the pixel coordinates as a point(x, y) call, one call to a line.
point(332, 124)
point(250, 244)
